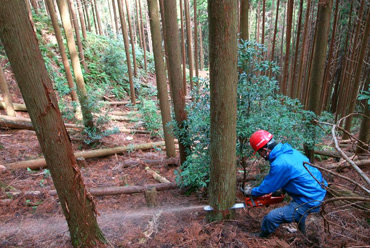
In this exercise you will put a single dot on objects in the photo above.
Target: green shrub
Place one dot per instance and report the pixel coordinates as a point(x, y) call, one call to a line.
point(259, 106)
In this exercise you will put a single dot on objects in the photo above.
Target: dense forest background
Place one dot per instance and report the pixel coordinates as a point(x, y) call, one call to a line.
point(190, 81)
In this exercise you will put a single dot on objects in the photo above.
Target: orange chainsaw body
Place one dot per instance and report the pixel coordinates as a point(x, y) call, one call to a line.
point(264, 200)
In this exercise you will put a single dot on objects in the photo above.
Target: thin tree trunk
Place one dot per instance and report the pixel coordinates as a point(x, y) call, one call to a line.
point(258, 21)
point(244, 15)
point(9, 108)
point(326, 84)
point(223, 81)
point(287, 47)
point(127, 50)
point(196, 41)
point(150, 42)
point(161, 3)
point(356, 83)
point(275, 32)
point(98, 18)
point(161, 77)
point(115, 16)
point(294, 87)
point(271, 30)
point(131, 38)
point(143, 35)
point(189, 41)
point(94, 18)
point(78, 37)
point(62, 50)
point(35, 6)
point(82, 21)
point(37, 90)
point(183, 47)
point(178, 91)
point(112, 20)
point(201, 48)
point(364, 129)
point(282, 41)
point(81, 90)
point(303, 50)
point(86, 8)
point(139, 24)
point(263, 21)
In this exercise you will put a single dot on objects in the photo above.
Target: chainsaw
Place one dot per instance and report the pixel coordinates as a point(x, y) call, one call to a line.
point(251, 202)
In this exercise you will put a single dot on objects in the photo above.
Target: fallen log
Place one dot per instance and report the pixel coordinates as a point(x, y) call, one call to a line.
point(40, 163)
point(138, 131)
point(151, 162)
point(118, 103)
point(17, 106)
point(24, 123)
point(332, 154)
point(117, 190)
point(156, 176)
point(359, 163)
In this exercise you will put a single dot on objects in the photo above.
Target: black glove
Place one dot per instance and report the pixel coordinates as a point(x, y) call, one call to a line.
point(247, 190)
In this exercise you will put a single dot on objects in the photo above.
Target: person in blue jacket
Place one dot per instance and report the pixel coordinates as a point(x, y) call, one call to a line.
point(288, 174)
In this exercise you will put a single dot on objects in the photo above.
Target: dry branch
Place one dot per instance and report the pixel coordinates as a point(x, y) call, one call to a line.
point(39, 163)
point(156, 176)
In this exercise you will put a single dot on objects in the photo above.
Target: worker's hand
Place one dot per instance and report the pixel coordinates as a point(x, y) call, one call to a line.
point(247, 190)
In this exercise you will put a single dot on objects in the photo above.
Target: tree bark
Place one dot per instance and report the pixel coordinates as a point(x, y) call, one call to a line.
point(62, 50)
point(161, 77)
point(177, 89)
point(196, 41)
point(81, 90)
point(8, 103)
point(156, 176)
point(131, 39)
point(183, 47)
point(86, 8)
point(189, 43)
point(201, 48)
point(35, 6)
point(143, 35)
point(139, 24)
point(115, 16)
point(357, 79)
point(223, 84)
point(364, 135)
point(258, 20)
point(98, 18)
point(127, 50)
point(37, 90)
point(284, 82)
point(275, 32)
point(82, 21)
point(263, 21)
point(244, 9)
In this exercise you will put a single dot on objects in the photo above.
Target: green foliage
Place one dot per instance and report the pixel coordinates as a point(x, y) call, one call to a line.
point(259, 106)
point(365, 95)
point(151, 117)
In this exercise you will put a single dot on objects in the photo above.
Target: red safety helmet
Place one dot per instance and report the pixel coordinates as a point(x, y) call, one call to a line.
point(259, 139)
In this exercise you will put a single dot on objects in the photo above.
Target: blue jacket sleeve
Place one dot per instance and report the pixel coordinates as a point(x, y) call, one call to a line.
point(274, 181)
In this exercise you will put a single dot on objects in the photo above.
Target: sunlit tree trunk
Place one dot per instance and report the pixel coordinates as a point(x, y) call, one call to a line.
point(356, 81)
point(143, 35)
point(115, 17)
point(112, 20)
point(284, 82)
point(163, 18)
point(189, 42)
point(94, 18)
point(275, 32)
point(35, 6)
point(98, 18)
point(127, 50)
point(139, 24)
point(161, 77)
point(258, 21)
point(81, 90)
point(223, 84)
point(174, 55)
point(196, 41)
point(83, 27)
point(282, 39)
point(23, 51)
point(131, 38)
point(183, 47)
point(201, 48)
point(271, 30)
point(62, 50)
point(244, 13)
point(78, 37)
point(150, 42)
point(263, 21)
point(86, 8)
point(4, 90)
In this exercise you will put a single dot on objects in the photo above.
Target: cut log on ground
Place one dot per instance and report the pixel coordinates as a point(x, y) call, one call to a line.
point(359, 163)
point(151, 162)
point(17, 106)
point(39, 163)
point(138, 131)
point(156, 176)
point(151, 197)
point(332, 154)
point(118, 103)
point(24, 123)
point(127, 189)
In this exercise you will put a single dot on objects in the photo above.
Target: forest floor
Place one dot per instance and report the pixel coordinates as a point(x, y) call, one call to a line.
point(30, 216)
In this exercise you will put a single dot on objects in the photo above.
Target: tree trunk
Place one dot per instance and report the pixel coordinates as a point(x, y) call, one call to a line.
point(127, 50)
point(263, 21)
point(111, 20)
point(35, 6)
point(81, 90)
point(86, 8)
point(293, 89)
point(98, 18)
point(201, 48)
point(189, 41)
point(223, 83)
point(364, 135)
point(284, 82)
point(318, 59)
point(196, 41)
point(150, 42)
point(302, 55)
point(271, 31)
point(62, 50)
point(356, 83)
point(115, 16)
point(161, 77)
point(161, 3)
point(275, 32)
point(174, 55)
point(9, 108)
point(94, 18)
point(244, 13)
point(258, 21)
point(131, 39)
point(82, 21)
point(139, 24)
point(78, 37)
point(143, 35)
point(183, 47)
point(282, 40)
point(37, 90)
